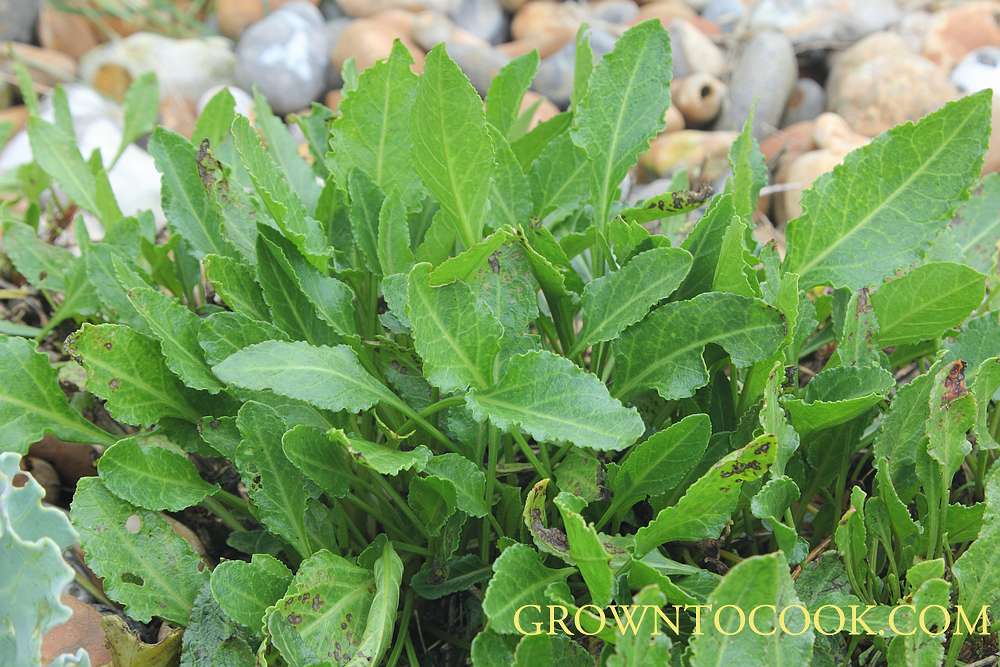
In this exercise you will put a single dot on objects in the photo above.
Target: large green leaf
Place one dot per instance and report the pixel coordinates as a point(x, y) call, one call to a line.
point(152, 474)
point(926, 302)
point(190, 210)
point(619, 299)
point(452, 151)
point(627, 96)
point(641, 644)
point(128, 371)
point(57, 154)
point(658, 464)
point(977, 571)
point(519, 579)
point(586, 549)
point(382, 458)
point(838, 395)
point(284, 149)
point(703, 511)
point(760, 583)
point(388, 575)
point(327, 377)
point(373, 130)
point(878, 211)
point(457, 337)
point(977, 226)
point(503, 100)
point(237, 285)
point(211, 638)
point(223, 334)
point(554, 400)
point(560, 177)
point(664, 351)
point(146, 567)
point(318, 458)
point(32, 404)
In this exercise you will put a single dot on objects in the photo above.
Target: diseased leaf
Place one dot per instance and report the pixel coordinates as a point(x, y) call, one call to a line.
point(926, 302)
point(894, 196)
point(554, 400)
point(627, 96)
point(32, 404)
point(664, 351)
point(151, 474)
point(145, 566)
point(452, 152)
point(705, 508)
point(619, 299)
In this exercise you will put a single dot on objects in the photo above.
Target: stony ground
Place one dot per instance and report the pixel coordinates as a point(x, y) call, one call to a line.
point(824, 77)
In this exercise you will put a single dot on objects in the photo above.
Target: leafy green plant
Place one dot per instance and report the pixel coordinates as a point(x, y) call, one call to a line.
point(438, 372)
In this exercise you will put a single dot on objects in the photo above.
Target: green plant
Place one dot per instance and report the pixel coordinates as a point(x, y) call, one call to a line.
point(456, 376)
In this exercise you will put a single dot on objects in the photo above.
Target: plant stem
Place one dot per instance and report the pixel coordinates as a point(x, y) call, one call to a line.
point(529, 454)
point(433, 409)
point(219, 510)
point(404, 628)
point(424, 424)
point(493, 444)
point(393, 494)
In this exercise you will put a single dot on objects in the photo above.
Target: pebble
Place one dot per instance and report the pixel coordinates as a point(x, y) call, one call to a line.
point(978, 71)
point(673, 120)
point(235, 16)
point(331, 10)
point(545, 43)
point(431, 28)
point(954, 32)
point(699, 98)
point(874, 92)
point(334, 29)
point(545, 110)
point(68, 33)
point(46, 66)
point(480, 63)
point(366, 8)
point(369, 40)
point(724, 13)
point(285, 56)
point(16, 116)
point(763, 78)
point(184, 67)
point(808, 101)
point(546, 17)
point(822, 23)
point(17, 19)
point(82, 630)
point(670, 11)
point(483, 18)
point(555, 73)
point(693, 52)
point(615, 11)
point(690, 149)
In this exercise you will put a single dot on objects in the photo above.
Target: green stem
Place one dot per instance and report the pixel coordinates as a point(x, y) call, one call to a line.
point(393, 494)
point(424, 424)
point(529, 454)
point(954, 648)
point(493, 444)
point(219, 510)
point(433, 409)
point(404, 628)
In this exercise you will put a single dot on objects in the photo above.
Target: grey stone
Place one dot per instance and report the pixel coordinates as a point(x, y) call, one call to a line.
point(483, 18)
point(978, 71)
point(17, 19)
point(331, 10)
point(285, 55)
point(764, 76)
point(808, 101)
point(555, 74)
point(614, 11)
point(333, 29)
point(724, 13)
point(479, 63)
point(820, 23)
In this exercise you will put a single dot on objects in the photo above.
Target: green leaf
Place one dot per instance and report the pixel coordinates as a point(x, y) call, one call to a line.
point(984, 388)
point(554, 400)
point(381, 458)
point(749, 171)
point(456, 336)
point(619, 299)
point(583, 65)
point(705, 245)
point(434, 501)
point(127, 370)
point(510, 193)
point(469, 481)
point(44, 265)
point(926, 302)
point(560, 177)
point(434, 582)
point(366, 205)
point(658, 464)
point(224, 334)
point(32, 404)
point(465, 264)
point(151, 474)
point(492, 650)
point(176, 328)
point(190, 210)
point(281, 201)
point(754, 583)
point(373, 132)
point(319, 459)
point(893, 197)
point(57, 154)
point(769, 505)
point(641, 644)
point(141, 107)
point(331, 378)
point(325, 609)
point(145, 565)
point(556, 651)
point(664, 351)
point(582, 474)
point(245, 590)
point(33, 573)
point(284, 149)
point(519, 579)
point(952, 414)
point(627, 97)
point(388, 571)
point(703, 511)
point(211, 639)
point(452, 151)
point(394, 252)
point(273, 483)
point(236, 284)
point(838, 395)
point(915, 647)
point(528, 147)
point(215, 119)
point(503, 100)
point(977, 570)
point(586, 549)
point(977, 226)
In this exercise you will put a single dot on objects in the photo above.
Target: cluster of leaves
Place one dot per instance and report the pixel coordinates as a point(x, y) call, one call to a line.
point(436, 371)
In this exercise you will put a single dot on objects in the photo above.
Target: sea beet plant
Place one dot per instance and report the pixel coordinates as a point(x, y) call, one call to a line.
point(422, 381)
